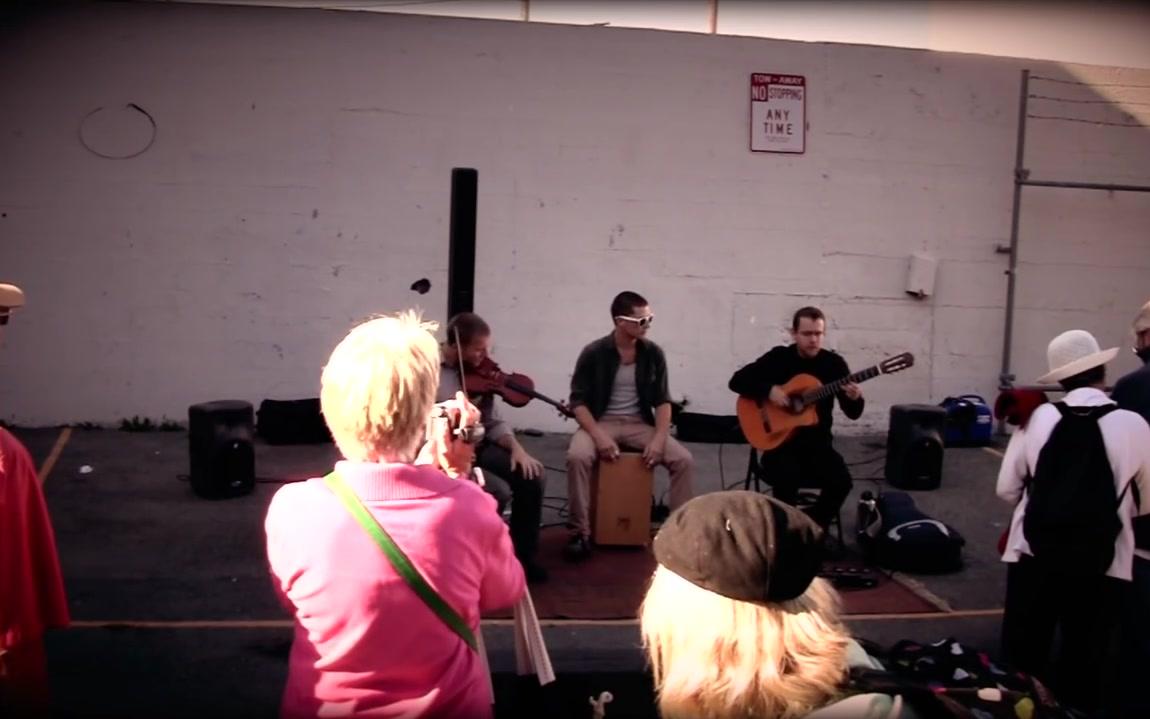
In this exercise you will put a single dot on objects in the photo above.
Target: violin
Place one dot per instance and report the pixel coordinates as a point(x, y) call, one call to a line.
point(515, 389)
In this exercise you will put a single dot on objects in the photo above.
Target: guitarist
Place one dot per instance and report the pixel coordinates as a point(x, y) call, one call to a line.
point(808, 458)
point(510, 473)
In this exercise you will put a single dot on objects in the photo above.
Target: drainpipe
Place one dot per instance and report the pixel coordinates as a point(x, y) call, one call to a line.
point(1006, 377)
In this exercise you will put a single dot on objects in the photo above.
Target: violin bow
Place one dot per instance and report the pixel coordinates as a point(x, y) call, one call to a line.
point(459, 358)
point(476, 472)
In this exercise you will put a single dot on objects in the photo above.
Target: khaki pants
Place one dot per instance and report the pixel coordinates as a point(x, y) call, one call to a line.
point(630, 433)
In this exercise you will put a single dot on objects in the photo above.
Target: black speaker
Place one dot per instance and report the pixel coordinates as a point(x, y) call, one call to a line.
point(461, 248)
point(914, 446)
point(222, 456)
point(714, 428)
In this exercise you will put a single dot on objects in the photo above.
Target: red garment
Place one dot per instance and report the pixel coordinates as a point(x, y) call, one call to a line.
point(1016, 405)
point(31, 589)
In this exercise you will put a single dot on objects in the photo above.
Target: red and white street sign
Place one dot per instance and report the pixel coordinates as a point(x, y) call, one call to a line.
point(778, 113)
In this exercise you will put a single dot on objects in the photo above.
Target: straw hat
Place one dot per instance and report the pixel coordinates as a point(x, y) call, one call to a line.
point(1072, 352)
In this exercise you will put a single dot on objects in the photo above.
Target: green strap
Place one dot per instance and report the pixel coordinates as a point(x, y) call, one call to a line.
point(399, 560)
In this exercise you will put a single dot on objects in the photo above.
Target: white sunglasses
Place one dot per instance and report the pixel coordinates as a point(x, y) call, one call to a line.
point(641, 321)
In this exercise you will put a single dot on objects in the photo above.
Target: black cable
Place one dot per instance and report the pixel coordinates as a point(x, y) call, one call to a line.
point(868, 460)
point(258, 480)
point(1088, 84)
point(1085, 122)
point(559, 506)
point(365, 4)
point(722, 475)
point(1086, 102)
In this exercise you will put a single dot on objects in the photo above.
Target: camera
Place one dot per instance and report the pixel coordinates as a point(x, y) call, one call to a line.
point(472, 434)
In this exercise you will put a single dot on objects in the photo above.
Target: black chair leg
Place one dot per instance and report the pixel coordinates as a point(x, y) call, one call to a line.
point(754, 472)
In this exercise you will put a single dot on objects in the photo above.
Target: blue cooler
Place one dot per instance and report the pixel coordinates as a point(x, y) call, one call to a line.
point(969, 421)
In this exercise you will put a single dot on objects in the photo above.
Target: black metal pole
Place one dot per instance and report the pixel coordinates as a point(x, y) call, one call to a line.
point(461, 249)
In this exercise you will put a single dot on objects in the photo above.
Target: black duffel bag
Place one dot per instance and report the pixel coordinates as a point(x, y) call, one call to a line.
point(896, 534)
point(291, 421)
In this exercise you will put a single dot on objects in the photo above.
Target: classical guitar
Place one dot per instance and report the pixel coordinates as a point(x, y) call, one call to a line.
point(767, 425)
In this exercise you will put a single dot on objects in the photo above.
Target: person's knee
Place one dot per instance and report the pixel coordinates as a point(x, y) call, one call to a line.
point(578, 457)
point(531, 490)
point(680, 461)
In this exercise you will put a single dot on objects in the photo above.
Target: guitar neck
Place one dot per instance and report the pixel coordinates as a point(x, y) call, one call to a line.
point(829, 389)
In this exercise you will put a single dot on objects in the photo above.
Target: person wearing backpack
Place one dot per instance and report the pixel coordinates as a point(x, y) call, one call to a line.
point(1076, 475)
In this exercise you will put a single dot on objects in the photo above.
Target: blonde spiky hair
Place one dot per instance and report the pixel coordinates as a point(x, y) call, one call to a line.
point(378, 387)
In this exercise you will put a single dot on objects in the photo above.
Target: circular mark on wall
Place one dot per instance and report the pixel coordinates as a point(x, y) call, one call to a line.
point(118, 133)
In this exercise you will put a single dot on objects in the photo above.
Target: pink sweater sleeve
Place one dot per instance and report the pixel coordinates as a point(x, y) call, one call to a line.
point(503, 581)
point(279, 565)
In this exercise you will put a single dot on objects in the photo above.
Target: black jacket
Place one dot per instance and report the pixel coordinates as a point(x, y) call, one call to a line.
point(781, 364)
point(1132, 392)
point(595, 375)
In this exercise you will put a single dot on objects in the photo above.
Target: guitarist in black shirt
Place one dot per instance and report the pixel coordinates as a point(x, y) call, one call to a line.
point(807, 458)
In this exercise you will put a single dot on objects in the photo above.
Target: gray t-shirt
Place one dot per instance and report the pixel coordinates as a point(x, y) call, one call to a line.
point(624, 401)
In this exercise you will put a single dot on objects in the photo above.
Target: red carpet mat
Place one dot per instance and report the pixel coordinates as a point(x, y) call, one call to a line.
point(611, 583)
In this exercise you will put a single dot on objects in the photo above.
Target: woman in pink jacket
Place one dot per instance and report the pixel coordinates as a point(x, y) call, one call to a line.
point(366, 644)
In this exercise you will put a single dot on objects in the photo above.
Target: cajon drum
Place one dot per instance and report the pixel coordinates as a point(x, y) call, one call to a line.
point(621, 501)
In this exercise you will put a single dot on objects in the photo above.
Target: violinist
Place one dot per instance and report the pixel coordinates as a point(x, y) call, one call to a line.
point(510, 473)
point(620, 397)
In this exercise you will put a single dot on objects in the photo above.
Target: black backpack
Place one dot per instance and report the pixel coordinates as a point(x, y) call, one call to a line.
point(1071, 518)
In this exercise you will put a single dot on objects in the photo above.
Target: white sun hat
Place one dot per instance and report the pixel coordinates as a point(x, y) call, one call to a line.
point(1072, 352)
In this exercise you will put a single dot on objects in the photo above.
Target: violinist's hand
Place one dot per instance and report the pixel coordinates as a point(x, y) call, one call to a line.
point(607, 448)
point(442, 448)
point(779, 397)
point(653, 452)
point(528, 465)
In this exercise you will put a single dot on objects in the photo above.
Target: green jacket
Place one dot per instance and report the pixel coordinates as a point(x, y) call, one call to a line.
point(595, 374)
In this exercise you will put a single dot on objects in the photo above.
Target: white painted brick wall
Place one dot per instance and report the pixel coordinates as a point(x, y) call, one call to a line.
point(300, 180)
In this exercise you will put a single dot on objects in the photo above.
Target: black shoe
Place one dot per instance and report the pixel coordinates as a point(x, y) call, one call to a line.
point(534, 572)
point(659, 513)
point(578, 549)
